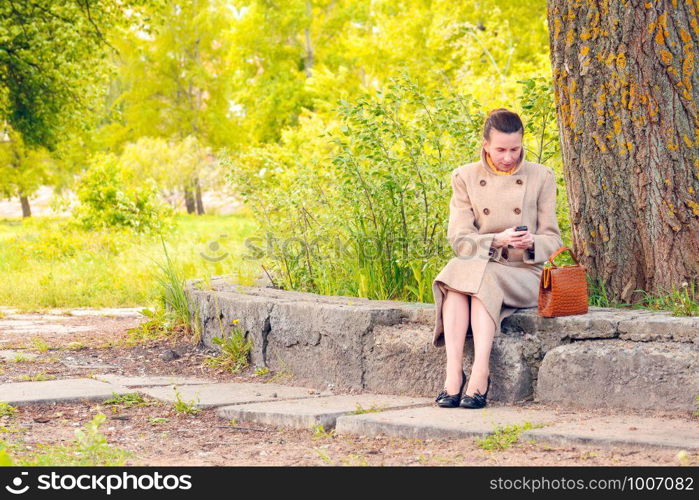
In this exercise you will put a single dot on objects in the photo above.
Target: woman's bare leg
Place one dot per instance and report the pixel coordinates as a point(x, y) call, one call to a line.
point(455, 315)
point(483, 332)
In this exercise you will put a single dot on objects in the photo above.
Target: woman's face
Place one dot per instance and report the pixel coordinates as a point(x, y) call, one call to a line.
point(504, 149)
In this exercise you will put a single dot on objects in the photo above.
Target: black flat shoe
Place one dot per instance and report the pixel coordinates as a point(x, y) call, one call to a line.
point(478, 400)
point(451, 400)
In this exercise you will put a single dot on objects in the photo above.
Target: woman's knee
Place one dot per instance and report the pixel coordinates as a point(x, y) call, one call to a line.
point(460, 296)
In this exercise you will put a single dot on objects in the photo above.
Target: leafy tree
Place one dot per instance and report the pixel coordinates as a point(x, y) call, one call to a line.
point(174, 82)
point(51, 72)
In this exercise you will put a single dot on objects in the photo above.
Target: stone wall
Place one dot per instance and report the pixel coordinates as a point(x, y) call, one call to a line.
point(612, 357)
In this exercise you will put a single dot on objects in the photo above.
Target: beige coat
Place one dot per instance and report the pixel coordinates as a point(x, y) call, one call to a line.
point(483, 204)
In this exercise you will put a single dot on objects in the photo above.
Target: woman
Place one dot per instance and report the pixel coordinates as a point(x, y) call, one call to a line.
point(497, 268)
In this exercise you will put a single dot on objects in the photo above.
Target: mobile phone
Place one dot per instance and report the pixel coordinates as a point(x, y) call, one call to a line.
point(518, 228)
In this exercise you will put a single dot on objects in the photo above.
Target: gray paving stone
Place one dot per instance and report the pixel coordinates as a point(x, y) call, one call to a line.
point(10, 355)
point(306, 413)
point(150, 381)
point(28, 324)
point(622, 430)
point(435, 422)
point(210, 395)
point(57, 391)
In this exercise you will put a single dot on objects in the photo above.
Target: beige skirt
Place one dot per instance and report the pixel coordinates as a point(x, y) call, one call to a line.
point(505, 287)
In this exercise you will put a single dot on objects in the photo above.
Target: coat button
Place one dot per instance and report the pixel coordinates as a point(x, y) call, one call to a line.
point(519, 181)
point(486, 211)
point(482, 183)
point(517, 210)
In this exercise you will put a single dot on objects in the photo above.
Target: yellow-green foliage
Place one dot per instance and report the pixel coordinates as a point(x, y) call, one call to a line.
point(7, 410)
point(504, 436)
point(53, 264)
point(235, 352)
point(89, 448)
point(355, 203)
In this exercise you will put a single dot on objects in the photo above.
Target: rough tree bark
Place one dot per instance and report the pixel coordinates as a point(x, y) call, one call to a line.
point(197, 196)
point(627, 92)
point(189, 201)
point(26, 208)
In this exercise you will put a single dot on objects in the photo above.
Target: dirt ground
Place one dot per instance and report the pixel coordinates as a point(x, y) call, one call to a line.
point(205, 439)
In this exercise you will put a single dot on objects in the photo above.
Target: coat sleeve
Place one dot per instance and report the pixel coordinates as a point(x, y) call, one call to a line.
point(462, 233)
point(548, 236)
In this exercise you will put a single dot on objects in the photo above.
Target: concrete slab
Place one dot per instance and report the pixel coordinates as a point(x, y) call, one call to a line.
point(11, 355)
point(306, 413)
point(57, 391)
point(622, 430)
point(30, 325)
point(435, 422)
point(210, 395)
point(134, 312)
point(150, 381)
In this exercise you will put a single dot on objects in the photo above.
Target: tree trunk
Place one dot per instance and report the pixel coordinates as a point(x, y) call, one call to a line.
point(309, 46)
point(189, 199)
point(627, 89)
point(26, 209)
point(197, 193)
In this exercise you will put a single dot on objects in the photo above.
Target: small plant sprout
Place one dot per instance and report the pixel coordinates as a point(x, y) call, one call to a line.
point(184, 407)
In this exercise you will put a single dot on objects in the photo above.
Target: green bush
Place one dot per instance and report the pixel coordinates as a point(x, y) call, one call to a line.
point(112, 195)
point(359, 206)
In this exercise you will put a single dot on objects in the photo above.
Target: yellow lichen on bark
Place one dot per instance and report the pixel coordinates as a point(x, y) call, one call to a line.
point(694, 206)
point(621, 60)
point(666, 57)
point(617, 126)
point(688, 65)
point(600, 146)
point(556, 28)
point(684, 36)
point(694, 24)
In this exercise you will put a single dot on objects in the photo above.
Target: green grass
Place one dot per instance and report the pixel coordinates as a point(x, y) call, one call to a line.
point(185, 407)
point(503, 437)
point(680, 301)
point(320, 432)
point(89, 448)
point(51, 265)
point(372, 409)
point(128, 400)
point(7, 410)
point(21, 358)
point(38, 377)
point(39, 345)
point(235, 352)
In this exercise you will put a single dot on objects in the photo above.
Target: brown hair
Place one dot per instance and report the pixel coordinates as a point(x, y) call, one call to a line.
point(503, 120)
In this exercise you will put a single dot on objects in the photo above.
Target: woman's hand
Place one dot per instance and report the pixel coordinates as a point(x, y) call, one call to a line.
point(517, 239)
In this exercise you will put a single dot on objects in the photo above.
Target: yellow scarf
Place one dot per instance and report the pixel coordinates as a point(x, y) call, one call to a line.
point(495, 169)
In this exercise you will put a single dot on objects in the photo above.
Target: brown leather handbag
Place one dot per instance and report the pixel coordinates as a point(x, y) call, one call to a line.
point(562, 290)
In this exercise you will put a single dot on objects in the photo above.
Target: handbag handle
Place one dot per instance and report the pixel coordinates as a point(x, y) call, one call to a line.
point(560, 251)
